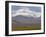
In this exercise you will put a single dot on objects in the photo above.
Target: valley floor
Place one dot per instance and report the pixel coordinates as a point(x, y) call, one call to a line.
point(17, 27)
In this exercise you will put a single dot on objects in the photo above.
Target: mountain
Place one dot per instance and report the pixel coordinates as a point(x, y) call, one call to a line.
point(24, 19)
point(26, 16)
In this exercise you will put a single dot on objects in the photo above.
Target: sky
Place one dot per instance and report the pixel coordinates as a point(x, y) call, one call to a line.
point(32, 8)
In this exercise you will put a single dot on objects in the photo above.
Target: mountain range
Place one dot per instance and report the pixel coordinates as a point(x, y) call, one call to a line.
point(24, 19)
point(26, 16)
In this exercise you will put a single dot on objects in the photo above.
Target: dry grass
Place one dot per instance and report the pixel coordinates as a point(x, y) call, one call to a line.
point(20, 28)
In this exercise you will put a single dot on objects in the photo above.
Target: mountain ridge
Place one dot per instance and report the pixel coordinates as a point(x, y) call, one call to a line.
point(25, 19)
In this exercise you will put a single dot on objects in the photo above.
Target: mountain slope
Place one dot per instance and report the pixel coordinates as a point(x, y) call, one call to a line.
point(23, 19)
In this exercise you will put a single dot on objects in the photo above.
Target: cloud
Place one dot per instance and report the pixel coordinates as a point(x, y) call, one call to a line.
point(26, 12)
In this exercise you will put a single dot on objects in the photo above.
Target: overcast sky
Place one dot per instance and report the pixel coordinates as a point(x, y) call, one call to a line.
point(32, 8)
